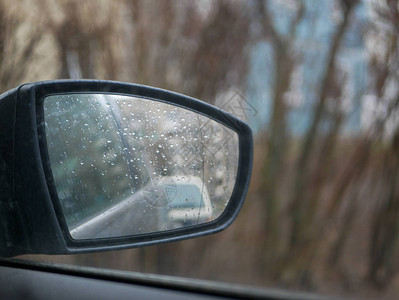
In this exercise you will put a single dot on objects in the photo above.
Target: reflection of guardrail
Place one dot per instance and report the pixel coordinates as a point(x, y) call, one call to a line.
point(172, 202)
point(109, 223)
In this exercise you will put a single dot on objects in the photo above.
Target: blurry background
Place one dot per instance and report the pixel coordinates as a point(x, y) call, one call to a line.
point(318, 82)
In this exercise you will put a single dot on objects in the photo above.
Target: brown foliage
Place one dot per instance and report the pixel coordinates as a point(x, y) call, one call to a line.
point(17, 45)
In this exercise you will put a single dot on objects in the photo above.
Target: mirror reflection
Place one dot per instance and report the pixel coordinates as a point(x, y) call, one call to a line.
point(125, 165)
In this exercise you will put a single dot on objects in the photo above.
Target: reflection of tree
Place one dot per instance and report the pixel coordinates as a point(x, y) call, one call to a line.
point(88, 161)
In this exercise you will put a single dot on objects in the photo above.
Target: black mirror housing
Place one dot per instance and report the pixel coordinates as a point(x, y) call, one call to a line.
point(31, 219)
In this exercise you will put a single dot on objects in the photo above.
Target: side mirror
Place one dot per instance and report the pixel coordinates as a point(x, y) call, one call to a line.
point(98, 165)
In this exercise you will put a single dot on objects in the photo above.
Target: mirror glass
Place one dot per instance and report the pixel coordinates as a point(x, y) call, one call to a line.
point(125, 165)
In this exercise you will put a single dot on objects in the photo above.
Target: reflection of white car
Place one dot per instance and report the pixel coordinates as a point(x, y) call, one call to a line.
point(188, 201)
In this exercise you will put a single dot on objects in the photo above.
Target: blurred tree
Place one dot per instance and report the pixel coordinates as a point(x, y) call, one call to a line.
point(16, 46)
point(86, 45)
point(285, 61)
point(383, 260)
point(383, 263)
point(185, 49)
point(305, 200)
point(320, 203)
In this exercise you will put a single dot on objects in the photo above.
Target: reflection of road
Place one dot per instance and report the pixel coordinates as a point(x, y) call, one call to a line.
point(130, 217)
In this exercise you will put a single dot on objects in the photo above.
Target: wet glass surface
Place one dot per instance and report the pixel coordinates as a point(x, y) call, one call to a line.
point(124, 165)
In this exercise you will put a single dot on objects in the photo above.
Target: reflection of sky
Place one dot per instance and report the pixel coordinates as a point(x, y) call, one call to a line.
point(313, 36)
